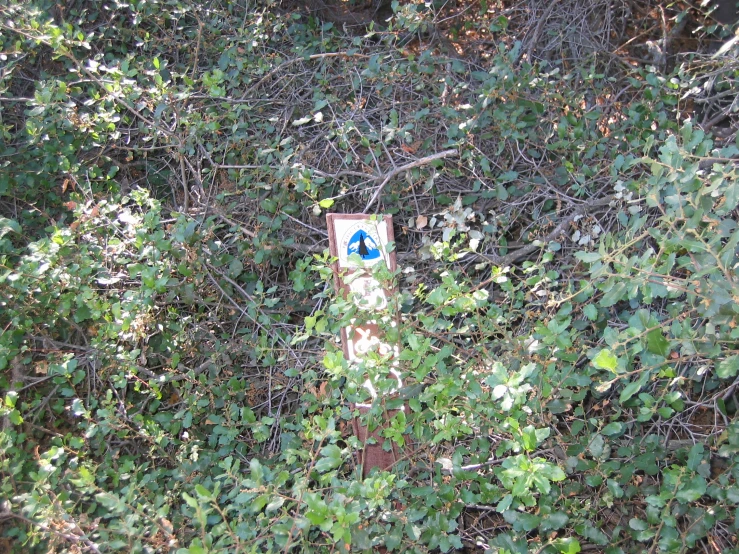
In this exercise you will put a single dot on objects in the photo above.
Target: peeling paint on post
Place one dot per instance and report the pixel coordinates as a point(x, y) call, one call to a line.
point(360, 242)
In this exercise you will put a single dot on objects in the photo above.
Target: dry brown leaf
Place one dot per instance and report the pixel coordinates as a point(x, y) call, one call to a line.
point(167, 526)
point(421, 221)
point(411, 148)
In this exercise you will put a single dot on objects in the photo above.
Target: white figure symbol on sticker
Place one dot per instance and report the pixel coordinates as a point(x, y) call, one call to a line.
point(367, 341)
point(361, 346)
point(369, 294)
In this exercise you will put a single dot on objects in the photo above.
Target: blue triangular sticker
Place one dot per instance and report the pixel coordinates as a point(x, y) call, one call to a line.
point(363, 245)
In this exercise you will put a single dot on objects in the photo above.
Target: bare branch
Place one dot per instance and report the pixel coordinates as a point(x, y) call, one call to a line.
point(422, 161)
point(521, 253)
point(288, 63)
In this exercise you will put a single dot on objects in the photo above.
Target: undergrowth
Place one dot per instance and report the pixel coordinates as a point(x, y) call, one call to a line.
point(172, 375)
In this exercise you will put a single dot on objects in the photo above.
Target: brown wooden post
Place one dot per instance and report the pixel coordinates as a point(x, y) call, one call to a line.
point(366, 238)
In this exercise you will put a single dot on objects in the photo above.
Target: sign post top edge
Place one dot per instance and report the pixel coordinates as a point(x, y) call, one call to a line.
point(358, 217)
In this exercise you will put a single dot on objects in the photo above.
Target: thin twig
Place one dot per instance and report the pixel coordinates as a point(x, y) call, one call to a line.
point(183, 176)
point(197, 48)
point(422, 161)
point(288, 63)
point(66, 536)
point(521, 253)
point(537, 31)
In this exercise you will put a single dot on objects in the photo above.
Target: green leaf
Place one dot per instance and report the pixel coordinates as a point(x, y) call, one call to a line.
point(275, 504)
point(190, 500)
point(332, 458)
point(196, 549)
point(258, 503)
point(657, 343)
point(15, 417)
point(592, 533)
point(629, 390)
point(695, 456)
point(606, 360)
point(508, 176)
point(588, 257)
point(326, 203)
point(521, 521)
point(78, 408)
point(235, 268)
point(553, 521)
point(615, 488)
point(437, 296)
point(591, 312)
point(567, 546)
point(550, 471)
point(8, 225)
point(638, 524)
point(614, 294)
point(728, 367)
point(11, 398)
point(612, 429)
point(692, 489)
point(632, 388)
point(504, 504)
point(542, 434)
point(597, 445)
point(541, 483)
point(529, 438)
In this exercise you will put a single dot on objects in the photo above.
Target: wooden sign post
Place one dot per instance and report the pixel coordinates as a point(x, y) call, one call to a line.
point(360, 242)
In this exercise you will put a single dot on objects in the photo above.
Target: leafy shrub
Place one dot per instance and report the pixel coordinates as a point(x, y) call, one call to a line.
point(170, 362)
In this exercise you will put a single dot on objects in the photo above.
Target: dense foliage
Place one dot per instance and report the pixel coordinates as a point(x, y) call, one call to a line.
point(567, 242)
